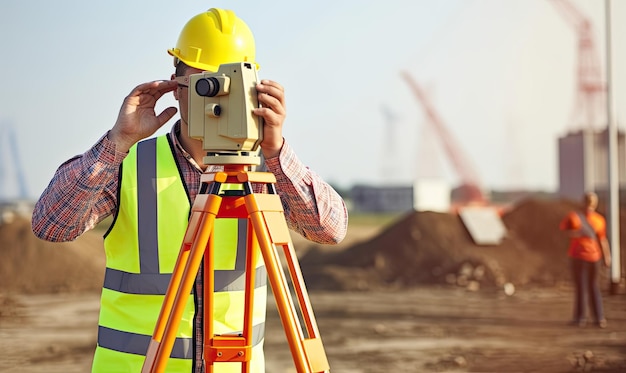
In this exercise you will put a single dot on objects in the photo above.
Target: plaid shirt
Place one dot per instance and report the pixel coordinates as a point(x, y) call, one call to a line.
point(83, 192)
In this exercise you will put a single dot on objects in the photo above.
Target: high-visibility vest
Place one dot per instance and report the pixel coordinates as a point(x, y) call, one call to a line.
point(141, 248)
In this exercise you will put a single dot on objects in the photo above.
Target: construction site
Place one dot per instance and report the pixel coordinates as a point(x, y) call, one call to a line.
point(432, 276)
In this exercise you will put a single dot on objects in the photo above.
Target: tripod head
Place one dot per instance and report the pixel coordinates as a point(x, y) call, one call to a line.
point(220, 114)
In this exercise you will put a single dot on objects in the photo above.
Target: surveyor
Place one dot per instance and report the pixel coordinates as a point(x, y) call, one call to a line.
point(148, 185)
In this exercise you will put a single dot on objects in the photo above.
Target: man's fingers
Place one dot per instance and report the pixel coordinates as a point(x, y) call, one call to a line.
point(272, 84)
point(165, 86)
point(271, 102)
point(156, 88)
point(166, 115)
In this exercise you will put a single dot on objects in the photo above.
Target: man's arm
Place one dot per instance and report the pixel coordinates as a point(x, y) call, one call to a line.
point(606, 251)
point(83, 190)
point(80, 195)
point(312, 207)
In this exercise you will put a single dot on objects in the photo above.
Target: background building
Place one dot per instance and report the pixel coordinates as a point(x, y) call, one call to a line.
point(576, 175)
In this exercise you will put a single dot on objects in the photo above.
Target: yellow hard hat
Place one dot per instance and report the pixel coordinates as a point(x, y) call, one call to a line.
point(213, 38)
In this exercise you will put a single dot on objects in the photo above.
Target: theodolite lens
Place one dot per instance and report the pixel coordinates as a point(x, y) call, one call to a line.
point(208, 87)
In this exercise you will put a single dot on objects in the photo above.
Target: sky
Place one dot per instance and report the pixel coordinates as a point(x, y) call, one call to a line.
point(500, 74)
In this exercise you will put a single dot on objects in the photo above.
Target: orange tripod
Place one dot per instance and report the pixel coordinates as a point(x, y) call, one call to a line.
point(267, 229)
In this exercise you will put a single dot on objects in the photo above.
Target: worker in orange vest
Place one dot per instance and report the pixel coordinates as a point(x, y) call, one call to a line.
point(588, 247)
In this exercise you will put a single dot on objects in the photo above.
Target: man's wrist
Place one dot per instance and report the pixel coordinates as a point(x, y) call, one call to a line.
point(113, 148)
point(121, 144)
point(273, 151)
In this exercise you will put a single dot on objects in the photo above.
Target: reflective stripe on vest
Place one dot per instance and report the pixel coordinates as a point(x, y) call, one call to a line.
point(141, 251)
point(136, 343)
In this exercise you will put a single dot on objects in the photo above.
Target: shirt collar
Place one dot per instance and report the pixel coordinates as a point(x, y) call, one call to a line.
point(175, 135)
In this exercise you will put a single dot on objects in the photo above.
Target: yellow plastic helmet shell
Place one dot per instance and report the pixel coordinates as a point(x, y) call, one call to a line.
point(213, 38)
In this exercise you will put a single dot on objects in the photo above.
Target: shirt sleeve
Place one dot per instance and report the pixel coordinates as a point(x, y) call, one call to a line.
point(599, 226)
point(82, 192)
point(312, 207)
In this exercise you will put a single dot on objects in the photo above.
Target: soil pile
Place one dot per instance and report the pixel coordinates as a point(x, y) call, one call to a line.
point(436, 248)
point(33, 266)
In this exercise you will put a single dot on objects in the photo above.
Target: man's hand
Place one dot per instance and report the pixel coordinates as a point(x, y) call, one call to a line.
point(137, 119)
point(271, 96)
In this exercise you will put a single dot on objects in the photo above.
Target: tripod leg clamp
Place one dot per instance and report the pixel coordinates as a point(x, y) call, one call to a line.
point(225, 348)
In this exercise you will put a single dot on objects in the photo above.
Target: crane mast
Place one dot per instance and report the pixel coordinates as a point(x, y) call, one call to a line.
point(470, 188)
point(590, 86)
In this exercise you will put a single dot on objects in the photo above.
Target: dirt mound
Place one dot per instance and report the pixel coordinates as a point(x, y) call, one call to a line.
point(435, 248)
point(33, 266)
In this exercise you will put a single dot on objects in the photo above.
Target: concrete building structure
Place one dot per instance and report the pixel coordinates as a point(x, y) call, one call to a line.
point(577, 174)
point(423, 195)
point(381, 198)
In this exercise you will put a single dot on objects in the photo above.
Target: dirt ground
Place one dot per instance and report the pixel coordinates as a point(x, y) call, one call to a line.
point(430, 329)
point(413, 296)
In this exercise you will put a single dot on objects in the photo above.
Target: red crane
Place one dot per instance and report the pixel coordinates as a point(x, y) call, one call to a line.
point(470, 190)
point(590, 85)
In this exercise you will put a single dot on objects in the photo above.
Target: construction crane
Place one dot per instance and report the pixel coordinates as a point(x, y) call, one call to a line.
point(470, 189)
point(590, 86)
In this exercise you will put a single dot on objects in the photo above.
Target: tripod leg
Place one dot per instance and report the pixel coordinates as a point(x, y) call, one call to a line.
point(196, 238)
point(231, 347)
point(266, 214)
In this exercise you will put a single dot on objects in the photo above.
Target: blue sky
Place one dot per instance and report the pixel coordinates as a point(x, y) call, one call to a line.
point(500, 74)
